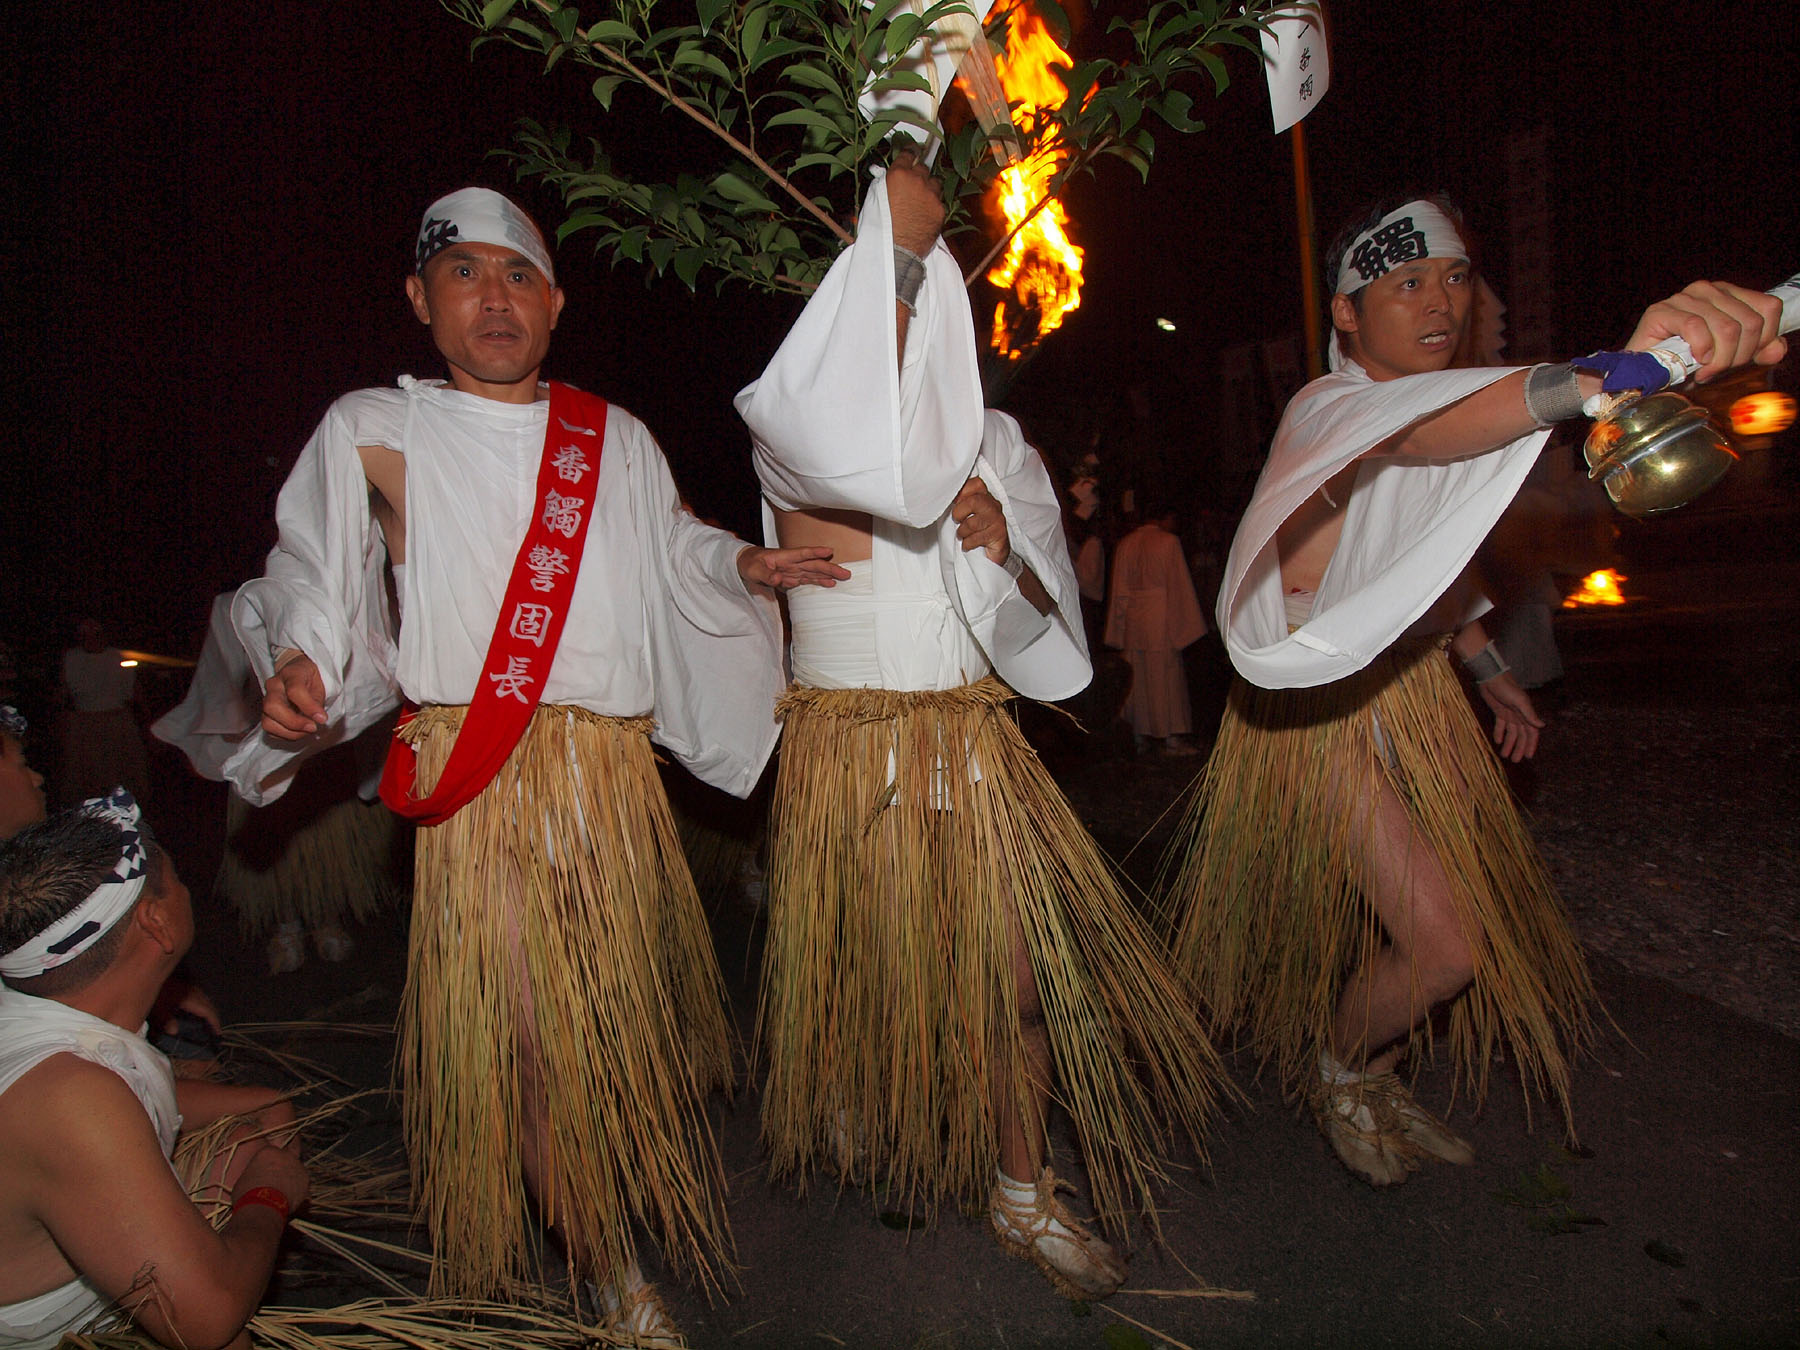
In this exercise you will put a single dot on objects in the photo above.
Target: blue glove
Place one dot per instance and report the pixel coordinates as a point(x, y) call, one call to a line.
point(1626, 370)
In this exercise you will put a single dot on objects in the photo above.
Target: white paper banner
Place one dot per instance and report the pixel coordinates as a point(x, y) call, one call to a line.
point(1297, 63)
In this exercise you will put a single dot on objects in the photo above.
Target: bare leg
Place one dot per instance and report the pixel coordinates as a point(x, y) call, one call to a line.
point(1426, 959)
point(1029, 1217)
point(534, 1123)
point(1022, 1151)
point(1372, 1122)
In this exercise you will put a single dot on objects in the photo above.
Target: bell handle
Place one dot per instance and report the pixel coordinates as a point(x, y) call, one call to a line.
point(1675, 354)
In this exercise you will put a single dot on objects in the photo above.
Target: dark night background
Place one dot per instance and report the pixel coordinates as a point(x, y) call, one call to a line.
point(212, 208)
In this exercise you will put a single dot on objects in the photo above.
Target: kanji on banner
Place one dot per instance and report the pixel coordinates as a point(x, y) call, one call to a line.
point(1297, 63)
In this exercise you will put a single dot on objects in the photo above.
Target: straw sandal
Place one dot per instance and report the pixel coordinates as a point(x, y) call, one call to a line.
point(639, 1319)
point(287, 948)
point(332, 943)
point(1380, 1133)
point(1045, 1232)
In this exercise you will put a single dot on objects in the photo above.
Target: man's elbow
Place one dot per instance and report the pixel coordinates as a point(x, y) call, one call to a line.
point(213, 1323)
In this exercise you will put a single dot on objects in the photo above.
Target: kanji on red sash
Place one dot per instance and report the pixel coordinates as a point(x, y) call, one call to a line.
point(530, 624)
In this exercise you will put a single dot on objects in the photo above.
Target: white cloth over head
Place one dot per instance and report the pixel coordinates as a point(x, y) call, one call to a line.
point(839, 421)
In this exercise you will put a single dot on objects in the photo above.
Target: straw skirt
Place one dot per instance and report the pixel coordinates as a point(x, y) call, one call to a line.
point(319, 854)
point(1269, 920)
point(899, 882)
point(555, 913)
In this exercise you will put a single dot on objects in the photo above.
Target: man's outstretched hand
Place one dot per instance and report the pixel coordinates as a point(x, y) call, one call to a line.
point(294, 699)
point(782, 569)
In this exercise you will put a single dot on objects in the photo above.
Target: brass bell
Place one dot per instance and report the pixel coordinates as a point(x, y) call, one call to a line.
point(1657, 454)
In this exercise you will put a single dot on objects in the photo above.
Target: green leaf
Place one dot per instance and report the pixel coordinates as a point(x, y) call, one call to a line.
point(709, 11)
point(813, 78)
point(1221, 78)
point(734, 189)
point(688, 263)
point(612, 31)
point(776, 49)
point(1079, 79)
point(564, 21)
point(1056, 20)
point(604, 87)
point(803, 117)
point(838, 163)
point(750, 36)
point(1173, 108)
point(494, 10)
point(1133, 158)
point(902, 79)
point(692, 54)
point(582, 220)
point(901, 36)
point(659, 251)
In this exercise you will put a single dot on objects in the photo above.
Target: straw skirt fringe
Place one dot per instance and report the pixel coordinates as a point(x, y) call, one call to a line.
point(1269, 919)
point(311, 859)
point(889, 1007)
point(555, 910)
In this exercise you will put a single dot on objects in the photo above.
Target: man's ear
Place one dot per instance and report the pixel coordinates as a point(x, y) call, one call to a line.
point(151, 918)
point(556, 304)
point(1343, 314)
point(415, 292)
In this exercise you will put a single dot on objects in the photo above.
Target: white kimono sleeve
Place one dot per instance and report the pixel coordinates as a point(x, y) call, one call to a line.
point(715, 649)
point(323, 593)
point(1043, 656)
point(210, 723)
point(835, 419)
point(1410, 527)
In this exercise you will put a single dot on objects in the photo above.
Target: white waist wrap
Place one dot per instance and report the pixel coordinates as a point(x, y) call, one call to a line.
point(839, 630)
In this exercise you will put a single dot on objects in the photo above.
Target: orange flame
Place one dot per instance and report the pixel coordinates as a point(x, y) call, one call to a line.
point(1598, 588)
point(1041, 269)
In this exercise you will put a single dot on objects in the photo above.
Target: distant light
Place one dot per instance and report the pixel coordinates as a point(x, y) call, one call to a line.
point(1597, 588)
point(1762, 414)
point(1167, 325)
point(127, 664)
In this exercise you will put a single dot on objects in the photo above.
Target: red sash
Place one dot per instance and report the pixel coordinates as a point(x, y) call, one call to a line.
point(530, 624)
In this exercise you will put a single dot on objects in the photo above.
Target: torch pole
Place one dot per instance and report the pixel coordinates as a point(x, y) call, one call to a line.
point(1309, 280)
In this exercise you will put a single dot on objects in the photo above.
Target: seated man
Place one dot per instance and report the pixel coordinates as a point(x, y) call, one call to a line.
point(93, 1222)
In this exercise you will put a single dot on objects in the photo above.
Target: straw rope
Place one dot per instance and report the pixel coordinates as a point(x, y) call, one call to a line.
point(1268, 915)
point(317, 855)
point(889, 1008)
point(555, 909)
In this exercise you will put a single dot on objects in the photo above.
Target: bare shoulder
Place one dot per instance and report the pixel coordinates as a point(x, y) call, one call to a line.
point(62, 1101)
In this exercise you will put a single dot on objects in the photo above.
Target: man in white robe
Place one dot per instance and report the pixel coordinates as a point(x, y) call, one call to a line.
point(559, 957)
point(1152, 614)
point(1348, 768)
point(945, 939)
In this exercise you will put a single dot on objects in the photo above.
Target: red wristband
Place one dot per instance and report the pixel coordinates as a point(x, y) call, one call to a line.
point(263, 1195)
